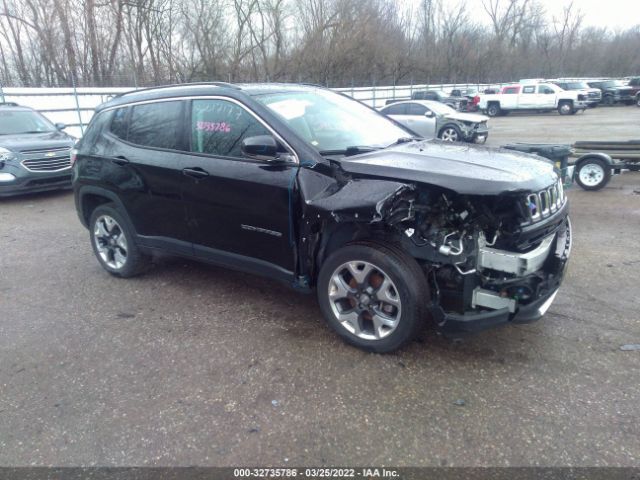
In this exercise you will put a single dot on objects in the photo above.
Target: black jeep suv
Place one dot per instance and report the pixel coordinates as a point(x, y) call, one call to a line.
point(34, 153)
point(318, 190)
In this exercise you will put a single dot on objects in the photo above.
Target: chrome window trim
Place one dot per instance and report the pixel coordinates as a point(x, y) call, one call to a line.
point(211, 97)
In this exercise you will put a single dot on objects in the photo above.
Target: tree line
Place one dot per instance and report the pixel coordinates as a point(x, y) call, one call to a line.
point(330, 42)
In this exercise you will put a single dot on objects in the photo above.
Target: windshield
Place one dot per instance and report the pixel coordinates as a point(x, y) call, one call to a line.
point(577, 86)
point(329, 121)
point(14, 122)
point(613, 83)
point(441, 108)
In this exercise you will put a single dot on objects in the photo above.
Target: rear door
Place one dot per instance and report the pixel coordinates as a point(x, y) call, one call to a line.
point(546, 97)
point(145, 160)
point(239, 208)
point(528, 97)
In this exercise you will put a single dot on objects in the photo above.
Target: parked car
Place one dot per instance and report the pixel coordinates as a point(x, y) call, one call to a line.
point(431, 119)
point(614, 91)
point(634, 83)
point(316, 189)
point(34, 153)
point(471, 96)
point(540, 97)
point(594, 95)
point(458, 103)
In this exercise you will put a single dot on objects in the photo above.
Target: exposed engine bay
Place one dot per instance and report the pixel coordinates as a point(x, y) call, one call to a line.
point(480, 253)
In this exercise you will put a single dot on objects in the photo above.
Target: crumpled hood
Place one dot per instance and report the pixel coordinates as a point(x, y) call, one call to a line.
point(467, 117)
point(465, 169)
point(36, 141)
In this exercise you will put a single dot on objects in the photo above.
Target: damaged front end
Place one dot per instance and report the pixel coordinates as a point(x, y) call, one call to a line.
point(488, 259)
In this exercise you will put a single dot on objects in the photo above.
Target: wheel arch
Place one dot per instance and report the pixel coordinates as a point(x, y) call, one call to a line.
point(596, 155)
point(91, 197)
point(448, 125)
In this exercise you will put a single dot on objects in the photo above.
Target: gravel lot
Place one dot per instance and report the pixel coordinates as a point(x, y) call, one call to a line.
point(195, 365)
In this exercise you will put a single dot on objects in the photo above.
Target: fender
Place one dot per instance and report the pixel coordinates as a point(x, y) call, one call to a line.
point(85, 190)
point(602, 156)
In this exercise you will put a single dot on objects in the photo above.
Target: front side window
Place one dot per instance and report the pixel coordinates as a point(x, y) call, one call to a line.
point(329, 121)
point(416, 109)
point(156, 125)
point(219, 126)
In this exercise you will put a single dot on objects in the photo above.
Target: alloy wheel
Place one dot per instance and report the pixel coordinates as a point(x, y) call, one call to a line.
point(364, 300)
point(110, 241)
point(449, 135)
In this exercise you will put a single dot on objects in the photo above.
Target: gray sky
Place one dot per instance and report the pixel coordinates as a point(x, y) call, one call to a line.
point(613, 14)
point(602, 13)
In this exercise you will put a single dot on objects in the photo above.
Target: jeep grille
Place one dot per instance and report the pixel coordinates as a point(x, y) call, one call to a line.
point(543, 204)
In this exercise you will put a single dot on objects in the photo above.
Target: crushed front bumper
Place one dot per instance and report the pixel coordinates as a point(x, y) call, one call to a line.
point(492, 309)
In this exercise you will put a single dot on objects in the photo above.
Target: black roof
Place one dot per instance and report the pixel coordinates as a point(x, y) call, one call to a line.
point(205, 88)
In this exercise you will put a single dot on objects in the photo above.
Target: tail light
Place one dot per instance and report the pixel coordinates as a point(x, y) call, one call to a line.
point(73, 155)
point(476, 100)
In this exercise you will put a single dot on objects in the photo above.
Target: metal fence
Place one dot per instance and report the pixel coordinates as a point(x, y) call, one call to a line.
point(75, 106)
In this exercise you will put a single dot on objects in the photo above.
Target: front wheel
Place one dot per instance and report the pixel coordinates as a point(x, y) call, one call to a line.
point(593, 174)
point(374, 296)
point(450, 134)
point(114, 244)
point(638, 101)
point(493, 110)
point(565, 108)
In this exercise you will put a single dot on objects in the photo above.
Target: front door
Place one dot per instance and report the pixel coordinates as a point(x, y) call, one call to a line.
point(239, 208)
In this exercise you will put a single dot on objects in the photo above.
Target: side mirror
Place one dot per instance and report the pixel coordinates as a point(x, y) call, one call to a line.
point(429, 114)
point(261, 147)
point(60, 126)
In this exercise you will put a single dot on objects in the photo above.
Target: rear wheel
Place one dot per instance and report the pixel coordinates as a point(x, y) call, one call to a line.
point(593, 174)
point(638, 101)
point(374, 296)
point(113, 243)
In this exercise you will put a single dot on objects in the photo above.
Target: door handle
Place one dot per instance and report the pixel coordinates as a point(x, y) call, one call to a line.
point(195, 172)
point(120, 160)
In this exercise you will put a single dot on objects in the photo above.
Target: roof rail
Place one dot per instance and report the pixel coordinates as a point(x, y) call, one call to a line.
point(9, 104)
point(214, 84)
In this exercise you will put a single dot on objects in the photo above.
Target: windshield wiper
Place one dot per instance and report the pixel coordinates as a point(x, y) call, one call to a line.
point(403, 140)
point(347, 152)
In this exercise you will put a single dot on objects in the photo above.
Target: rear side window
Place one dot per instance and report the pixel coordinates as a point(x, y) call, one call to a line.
point(219, 126)
point(529, 90)
point(119, 123)
point(156, 125)
point(398, 109)
point(510, 90)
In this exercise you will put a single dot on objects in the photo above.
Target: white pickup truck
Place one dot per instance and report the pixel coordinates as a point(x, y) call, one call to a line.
point(540, 97)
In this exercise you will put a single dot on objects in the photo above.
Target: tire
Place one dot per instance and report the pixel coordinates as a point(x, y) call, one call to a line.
point(114, 244)
point(638, 101)
point(608, 100)
point(450, 133)
point(349, 303)
point(592, 174)
point(493, 109)
point(565, 108)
